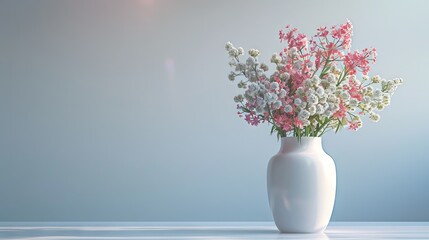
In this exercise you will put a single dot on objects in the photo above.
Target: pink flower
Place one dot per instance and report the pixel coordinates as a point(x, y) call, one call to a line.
point(341, 113)
point(252, 119)
point(322, 32)
point(354, 89)
point(355, 60)
point(354, 126)
point(344, 34)
point(293, 38)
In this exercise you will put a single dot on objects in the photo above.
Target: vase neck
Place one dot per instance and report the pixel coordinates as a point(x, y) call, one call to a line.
point(291, 144)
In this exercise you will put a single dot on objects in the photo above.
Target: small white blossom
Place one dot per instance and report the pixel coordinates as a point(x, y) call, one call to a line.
point(240, 67)
point(228, 46)
point(345, 96)
point(276, 58)
point(327, 113)
point(319, 109)
point(300, 91)
point(315, 80)
point(274, 86)
point(376, 79)
point(250, 61)
point(254, 52)
point(303, 115)
point(288, 108)
point(312, 109)
point(264, 67)
point(374, 117)
point(231, 76)
point(320, 91)
point(241, 84)
point(277, 105)
point(307, 83)
point(253, 89)
point(282, 93)
point(270, 97)
point(313, 99)
point(285, 76)
point(398, 81)
point(297, 101)
point(353, 102)
point(238, 98)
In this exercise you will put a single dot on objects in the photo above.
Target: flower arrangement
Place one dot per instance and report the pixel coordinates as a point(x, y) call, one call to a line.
point(318, 84)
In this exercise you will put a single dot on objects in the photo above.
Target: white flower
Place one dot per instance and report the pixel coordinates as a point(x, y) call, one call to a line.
point(261, 101)
point(252, 76)
point(250, 61)
point(241, 84)
point(366, 99)
point(333, 107)
point(312, 99)
point(303, 115)
point(240, 67)
point(274, 86)
point(231, 76)
point(345, 96)
point(300, 91)
point(277, 105)
point(319, 109)
point(386, 100)
point(309, 92)
point(288, 108)
point(353, 102)
point(303, 105)
point(398, 81)
point(315, 80)
point(332, 98)
point(285, 76)
point(282, 93)
point(312, 109)
point(320, 91)
point(376, 79)
point(240, 50)
point(228, 46)
point(260, 109)
point(307, 83)
point(232, 62)
point(327, 113)
point(377, 93)
point(374, 117)
point(292, 52)
point(297, 101)
point(254, 52)
point(238, 98)
point(332, 79)
point(264, 67)
point(253, 89)
point(270, 97)
point(233, 52)
point(276, 58)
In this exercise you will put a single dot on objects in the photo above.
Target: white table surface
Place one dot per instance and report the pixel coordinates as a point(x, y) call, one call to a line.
point(205, 230)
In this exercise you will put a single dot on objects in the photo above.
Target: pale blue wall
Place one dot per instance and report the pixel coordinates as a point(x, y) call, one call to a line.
point(121, 110)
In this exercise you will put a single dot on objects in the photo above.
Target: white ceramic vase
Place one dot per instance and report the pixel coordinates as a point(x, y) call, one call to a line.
point(301, 185)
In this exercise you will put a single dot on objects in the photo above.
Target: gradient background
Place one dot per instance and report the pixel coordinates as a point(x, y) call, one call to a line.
point(121, 110)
